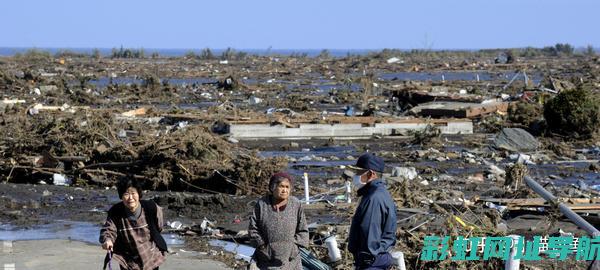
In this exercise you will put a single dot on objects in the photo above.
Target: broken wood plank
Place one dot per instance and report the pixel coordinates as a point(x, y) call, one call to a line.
point(112, 165)
point(64, 107)
point(322, 206)
point(13, 101)
point(136, 112)
point(536, 201)
point(459, 109)
point(72, 158)
point(285, 123)
point(105, 172)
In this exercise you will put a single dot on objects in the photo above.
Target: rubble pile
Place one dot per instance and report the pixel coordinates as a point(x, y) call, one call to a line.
point(92, 147)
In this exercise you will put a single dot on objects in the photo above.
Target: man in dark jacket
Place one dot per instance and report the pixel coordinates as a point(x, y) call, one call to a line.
point(373, 229)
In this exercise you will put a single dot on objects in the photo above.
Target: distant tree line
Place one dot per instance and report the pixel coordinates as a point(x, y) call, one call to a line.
point(207, 54)
point(65, 53)
point(34, 55)
point(558, 50)
point(128, 53)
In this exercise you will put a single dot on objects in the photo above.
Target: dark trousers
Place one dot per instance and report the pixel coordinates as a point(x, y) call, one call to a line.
point(382, 261)
point(124, 268)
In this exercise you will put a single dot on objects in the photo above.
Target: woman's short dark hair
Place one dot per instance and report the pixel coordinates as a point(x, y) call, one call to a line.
point(127, 182)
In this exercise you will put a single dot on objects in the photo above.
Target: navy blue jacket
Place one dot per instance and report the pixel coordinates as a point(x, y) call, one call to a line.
point(373, 226)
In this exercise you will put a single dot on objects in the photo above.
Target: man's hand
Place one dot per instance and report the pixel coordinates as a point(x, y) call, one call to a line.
point(107, 245)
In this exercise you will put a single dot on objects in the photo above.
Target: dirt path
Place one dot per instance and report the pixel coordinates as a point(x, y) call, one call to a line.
point(71, 255)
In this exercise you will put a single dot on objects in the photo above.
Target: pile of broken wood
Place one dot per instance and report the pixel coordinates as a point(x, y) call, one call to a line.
point(92, 146)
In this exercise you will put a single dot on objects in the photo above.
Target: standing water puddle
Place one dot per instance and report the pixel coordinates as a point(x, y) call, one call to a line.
point(243, 252)
point(324, 162)
point(312, 160)
point(69, 230)
point(453, 76)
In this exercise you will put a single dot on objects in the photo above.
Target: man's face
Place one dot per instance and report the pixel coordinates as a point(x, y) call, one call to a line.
point(282, 190)
point(364, 176)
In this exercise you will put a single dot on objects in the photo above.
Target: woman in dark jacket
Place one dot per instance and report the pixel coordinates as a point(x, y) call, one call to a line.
point(278, 227)
point(132, 230)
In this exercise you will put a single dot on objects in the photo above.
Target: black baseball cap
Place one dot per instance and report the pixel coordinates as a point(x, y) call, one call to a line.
point(368, 161)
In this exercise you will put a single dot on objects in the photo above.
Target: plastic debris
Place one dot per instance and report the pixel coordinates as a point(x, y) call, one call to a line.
point(175, 225)
point(393, 60)
point(408, 173)
point(60, 180)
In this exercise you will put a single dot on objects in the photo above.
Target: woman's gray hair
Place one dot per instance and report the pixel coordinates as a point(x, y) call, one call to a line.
point(276, 181)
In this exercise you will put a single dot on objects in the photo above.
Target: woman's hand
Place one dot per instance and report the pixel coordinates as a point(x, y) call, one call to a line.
point(107, 245)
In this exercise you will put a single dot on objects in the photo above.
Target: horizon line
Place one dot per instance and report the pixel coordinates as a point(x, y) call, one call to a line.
point(281, 49)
